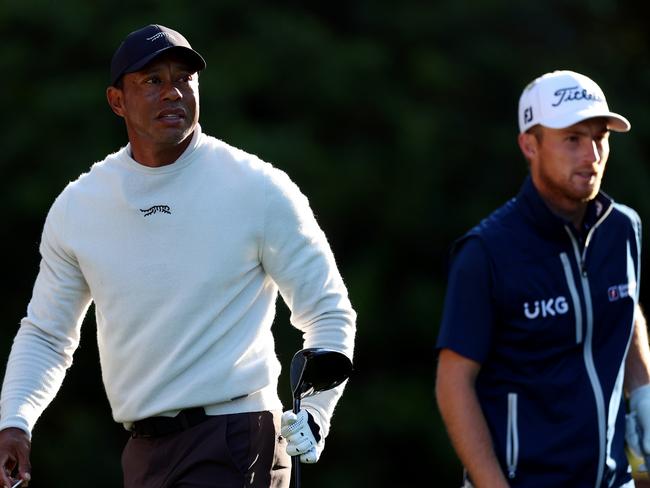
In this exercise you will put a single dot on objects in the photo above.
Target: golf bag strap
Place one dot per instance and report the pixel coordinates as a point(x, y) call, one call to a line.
point(161, 426)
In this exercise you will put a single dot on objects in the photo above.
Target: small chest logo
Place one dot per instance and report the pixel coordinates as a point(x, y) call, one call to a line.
point(546, 308)
point(156, 209)
point(617, 292)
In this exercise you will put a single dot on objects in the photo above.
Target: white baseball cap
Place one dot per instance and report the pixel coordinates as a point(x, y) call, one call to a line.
point(563, 98)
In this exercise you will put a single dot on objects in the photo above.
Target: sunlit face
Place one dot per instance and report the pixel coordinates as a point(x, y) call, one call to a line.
point(159, 104)
point(567, 165)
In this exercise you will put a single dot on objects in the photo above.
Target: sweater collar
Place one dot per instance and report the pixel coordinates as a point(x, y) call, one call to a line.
point(183, 160)
point(537, 211)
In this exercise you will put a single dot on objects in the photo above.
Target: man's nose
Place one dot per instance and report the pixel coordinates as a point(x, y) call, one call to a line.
point(171, 92)
point(593, 152)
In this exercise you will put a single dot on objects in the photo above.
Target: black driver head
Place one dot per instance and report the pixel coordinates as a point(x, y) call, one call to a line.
point(317, 369)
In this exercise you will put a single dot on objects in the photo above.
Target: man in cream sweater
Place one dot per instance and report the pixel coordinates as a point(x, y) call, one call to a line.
point(183, 243)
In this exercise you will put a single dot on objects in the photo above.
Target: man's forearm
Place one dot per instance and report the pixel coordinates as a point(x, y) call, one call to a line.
point(466, 423)
point(637, 365)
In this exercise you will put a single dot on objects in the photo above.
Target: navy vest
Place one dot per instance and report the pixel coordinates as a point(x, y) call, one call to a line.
point(551, 387)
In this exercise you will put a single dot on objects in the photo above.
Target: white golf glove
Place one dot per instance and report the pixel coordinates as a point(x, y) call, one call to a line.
point(637, 425)
point(303, 436)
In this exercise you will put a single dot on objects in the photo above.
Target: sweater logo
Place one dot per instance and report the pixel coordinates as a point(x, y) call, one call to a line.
point(546, 308)
point(156, 209)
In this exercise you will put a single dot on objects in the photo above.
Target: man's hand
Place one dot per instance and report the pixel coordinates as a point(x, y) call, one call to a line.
point(633, 449)
point(640, 408)
point(303, 436)
point(637, 432)
point(14, 457)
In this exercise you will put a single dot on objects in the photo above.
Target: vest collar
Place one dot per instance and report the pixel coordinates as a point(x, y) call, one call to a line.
point(537, 211)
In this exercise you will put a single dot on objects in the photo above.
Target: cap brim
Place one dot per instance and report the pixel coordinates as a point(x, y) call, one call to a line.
point(196, 61)
point(616, 122)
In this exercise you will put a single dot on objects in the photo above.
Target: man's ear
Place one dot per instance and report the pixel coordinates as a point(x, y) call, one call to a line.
point(528, 145)
point(115, 97)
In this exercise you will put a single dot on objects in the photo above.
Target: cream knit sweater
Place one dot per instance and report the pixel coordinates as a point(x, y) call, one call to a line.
point(183, 263)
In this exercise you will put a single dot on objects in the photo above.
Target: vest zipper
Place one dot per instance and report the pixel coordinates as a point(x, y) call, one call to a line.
point(512, 436)
point(577, 308)
point(587, 351)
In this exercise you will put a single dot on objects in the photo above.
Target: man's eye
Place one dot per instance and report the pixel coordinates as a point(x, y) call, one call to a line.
point(154, 80)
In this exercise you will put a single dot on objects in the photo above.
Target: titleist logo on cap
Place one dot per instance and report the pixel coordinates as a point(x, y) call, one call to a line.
point(574, 93)
point(562, 98)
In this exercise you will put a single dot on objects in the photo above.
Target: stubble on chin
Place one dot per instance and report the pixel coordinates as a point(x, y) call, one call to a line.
point(588, 195)
point(174, 138)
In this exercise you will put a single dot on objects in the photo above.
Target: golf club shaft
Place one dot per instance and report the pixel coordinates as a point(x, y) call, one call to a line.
point(295, 460)
point(314, 369)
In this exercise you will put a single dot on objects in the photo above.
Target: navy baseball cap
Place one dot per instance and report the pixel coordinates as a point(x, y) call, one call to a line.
point(143, 45)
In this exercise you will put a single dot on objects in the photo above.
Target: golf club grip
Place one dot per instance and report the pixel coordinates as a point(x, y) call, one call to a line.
point(295, 460)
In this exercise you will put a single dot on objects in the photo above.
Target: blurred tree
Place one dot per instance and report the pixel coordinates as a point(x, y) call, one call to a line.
point(398, 120)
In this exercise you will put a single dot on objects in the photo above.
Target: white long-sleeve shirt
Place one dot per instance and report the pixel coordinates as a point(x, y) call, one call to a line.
point(183, 263)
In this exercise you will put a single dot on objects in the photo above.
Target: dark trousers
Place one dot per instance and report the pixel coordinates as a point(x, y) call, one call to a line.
point(224, 451)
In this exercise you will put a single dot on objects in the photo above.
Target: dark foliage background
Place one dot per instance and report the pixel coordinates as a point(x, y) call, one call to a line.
point(397, 119)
